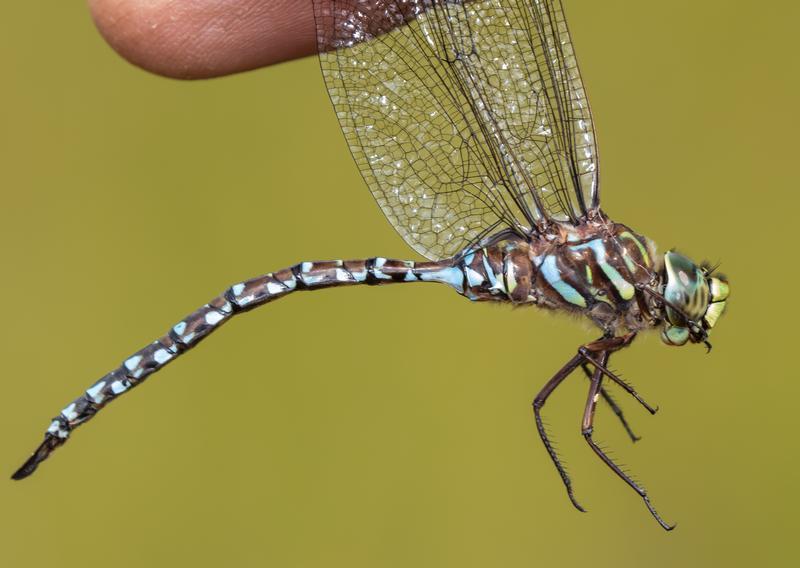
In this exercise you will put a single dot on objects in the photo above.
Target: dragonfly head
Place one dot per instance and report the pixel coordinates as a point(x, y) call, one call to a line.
point(694, 300)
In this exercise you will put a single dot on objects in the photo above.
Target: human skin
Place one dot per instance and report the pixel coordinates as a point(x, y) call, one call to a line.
point(197, 39)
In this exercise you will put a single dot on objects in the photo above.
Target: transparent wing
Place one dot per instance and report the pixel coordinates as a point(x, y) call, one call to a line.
point(465, 117)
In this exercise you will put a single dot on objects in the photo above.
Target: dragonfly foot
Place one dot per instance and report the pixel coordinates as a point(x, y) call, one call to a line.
point(575, 501)
point(665, 525)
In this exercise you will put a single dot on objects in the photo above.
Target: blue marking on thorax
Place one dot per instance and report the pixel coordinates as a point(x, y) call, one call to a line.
point(625, 288)
point(551, 273)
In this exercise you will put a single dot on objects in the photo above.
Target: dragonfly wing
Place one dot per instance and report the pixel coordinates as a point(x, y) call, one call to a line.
point(464, 116)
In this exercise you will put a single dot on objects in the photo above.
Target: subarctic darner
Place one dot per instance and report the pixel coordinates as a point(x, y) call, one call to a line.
point(470, 124)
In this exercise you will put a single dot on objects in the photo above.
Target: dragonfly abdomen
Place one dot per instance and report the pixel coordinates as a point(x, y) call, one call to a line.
point(238, 298)
point(501, 272)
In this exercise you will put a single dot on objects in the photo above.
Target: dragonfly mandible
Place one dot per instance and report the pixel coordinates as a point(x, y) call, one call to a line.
point(469, 122)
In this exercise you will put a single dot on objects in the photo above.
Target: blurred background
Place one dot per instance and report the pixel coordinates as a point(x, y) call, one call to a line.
point(383, 426)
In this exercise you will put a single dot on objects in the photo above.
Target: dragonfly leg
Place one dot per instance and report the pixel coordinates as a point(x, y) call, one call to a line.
point(610, 345)
point(538, 403)
point(606, 396)
point(587, 429)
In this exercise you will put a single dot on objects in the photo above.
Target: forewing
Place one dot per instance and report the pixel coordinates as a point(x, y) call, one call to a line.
point(464, 117)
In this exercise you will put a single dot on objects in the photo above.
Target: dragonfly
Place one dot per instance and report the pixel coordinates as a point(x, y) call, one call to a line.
point(470, 124)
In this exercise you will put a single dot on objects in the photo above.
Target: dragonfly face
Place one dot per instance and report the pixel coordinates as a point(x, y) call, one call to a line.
point(695, 300)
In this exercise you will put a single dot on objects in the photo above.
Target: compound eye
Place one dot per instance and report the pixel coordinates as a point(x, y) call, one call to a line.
point(686, 289)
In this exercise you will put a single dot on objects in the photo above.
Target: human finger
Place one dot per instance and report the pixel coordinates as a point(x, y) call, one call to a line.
point(195, 39)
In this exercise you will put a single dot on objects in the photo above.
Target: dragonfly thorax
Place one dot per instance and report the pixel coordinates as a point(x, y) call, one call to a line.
point(694, 300)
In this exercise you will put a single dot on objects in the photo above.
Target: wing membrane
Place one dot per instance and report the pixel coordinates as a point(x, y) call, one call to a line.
point(464, 117)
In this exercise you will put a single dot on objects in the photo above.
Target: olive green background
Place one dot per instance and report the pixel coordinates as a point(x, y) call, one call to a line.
point(392, 426)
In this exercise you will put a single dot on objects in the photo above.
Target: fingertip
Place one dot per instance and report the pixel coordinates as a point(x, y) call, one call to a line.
point(195, 39)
